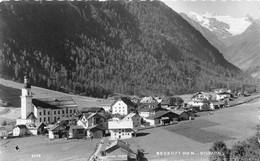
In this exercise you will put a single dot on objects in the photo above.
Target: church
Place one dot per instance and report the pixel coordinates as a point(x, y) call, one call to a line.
point(43, 110)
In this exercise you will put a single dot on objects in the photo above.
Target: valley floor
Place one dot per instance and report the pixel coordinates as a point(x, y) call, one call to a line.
point(186, 141)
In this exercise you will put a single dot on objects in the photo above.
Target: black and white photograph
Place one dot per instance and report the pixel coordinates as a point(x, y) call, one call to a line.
point(129, 80)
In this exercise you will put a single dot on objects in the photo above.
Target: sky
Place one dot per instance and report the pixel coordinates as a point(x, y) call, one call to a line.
point(234, 8)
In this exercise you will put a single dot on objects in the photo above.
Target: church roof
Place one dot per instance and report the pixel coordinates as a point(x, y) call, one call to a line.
point(31, 116)
point(54, 103)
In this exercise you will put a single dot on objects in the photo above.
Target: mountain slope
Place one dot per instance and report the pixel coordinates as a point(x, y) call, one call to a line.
point(222, 26)
point(245, 50)
point(96, 48)
point(241, 49)
point(208, 34)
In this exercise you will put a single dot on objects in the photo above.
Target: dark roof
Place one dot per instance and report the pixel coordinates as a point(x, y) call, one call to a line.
point(165, 101)
point(31, 116)
point(54, 103)
point(92, 109)
point(160, 114)
point(117, 144)
point(127, 101)
point(98, 127)
point(22, 126)
point(147, 109)
point(89, 115)
point(225, 93)
point(144, 105)
point(56, 128)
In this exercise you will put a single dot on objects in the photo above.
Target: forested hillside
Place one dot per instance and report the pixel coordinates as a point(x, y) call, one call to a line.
point(97, 48)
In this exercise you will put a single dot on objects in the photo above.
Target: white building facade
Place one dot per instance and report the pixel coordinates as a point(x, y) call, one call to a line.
point(120, 129)
point(120, 108)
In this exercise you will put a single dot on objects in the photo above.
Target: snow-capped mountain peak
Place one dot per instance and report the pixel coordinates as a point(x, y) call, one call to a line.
point(223, 26)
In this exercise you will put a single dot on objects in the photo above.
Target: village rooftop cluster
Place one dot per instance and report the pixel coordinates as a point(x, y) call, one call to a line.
point(60, 117)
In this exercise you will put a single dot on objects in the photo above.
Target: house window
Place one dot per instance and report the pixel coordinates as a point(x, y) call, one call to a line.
point(44, 112)
point(58, 112)
point(40, 119)
point(49, 119)
point(48, 112)
point(70, 111)
point(67, 110)
point(40, 113)
point(74, 111)
point(54, 119)
point(62, 112)
point(54, 112)
point(44, 119)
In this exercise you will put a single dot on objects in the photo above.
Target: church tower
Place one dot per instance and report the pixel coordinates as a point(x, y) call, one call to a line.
point(26, 99)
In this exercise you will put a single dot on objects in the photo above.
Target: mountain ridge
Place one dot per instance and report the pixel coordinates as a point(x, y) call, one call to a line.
point(97, 48)
point(242, 49)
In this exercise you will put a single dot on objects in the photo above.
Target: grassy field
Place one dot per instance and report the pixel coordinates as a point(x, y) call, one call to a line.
point(191, 140)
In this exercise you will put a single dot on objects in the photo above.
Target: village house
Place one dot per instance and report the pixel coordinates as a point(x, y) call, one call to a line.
point(120, 129)
point(20, 130)
point(201, 96)
point(149, 99)
point(135, 99)
point(46, 110)
point(165, 103)
point(119, 150)
point(90, 119)
point(136, 118)
point(97, 131)
point(3, 132)
point(200, 105)
point(148, 111)
point(77, 132)
point(122, 106)
point(220, 90)
point(162, 118)
point(224, 95)
point(56, 131)
point(158, 99)
point(185, 115)
point(36, 128)
point(106, 107)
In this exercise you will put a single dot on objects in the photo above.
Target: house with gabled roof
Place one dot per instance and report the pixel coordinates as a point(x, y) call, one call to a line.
point(120, 129)
point(90, 119)
point(200, 105)
point(36, 128)
point(161, 118)
point(149, 99)
point(122, 106)
point(3, 132)
point(185, 114)
point(56, 131)
point(148, 111)
point(201, 96)
point(136, 118)
point(119, 150)
point(20, 130)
